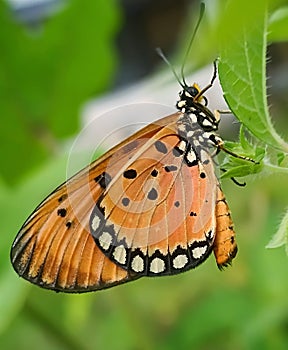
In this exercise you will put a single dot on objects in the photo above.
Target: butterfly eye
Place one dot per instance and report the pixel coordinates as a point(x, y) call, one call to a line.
point(191, 92)
point(188, 93)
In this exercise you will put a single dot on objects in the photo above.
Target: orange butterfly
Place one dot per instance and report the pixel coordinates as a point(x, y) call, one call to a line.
point(151, 206)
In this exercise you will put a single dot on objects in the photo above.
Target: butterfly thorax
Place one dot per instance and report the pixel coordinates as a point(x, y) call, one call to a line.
point(197, 124)
point(190, 103)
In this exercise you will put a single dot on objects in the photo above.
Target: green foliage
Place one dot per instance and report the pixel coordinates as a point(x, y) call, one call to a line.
point(278, 24)
point(242, 72)
point(46, 74)
point(238, 167)
point(281, 236)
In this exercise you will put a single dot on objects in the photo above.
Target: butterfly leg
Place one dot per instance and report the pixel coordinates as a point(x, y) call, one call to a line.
point(219, 143)
point(214, 76)
point(240, 184)
point(223, 111)
point(218, 112)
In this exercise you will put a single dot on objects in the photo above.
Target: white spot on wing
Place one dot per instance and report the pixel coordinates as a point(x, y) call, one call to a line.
point(137, 264)
point(119, 254)
point(180, 261)
point(105, 240)
point(191, 156)
point(182, 146)
point(95, 222)
point(157, 265)
point(198, 252)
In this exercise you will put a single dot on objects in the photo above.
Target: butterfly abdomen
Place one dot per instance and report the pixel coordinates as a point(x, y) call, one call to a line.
point(225, 247)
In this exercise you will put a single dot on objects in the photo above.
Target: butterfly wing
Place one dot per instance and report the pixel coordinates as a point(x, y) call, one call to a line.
point(152, 205)
point(54, 247)
point(157, 215)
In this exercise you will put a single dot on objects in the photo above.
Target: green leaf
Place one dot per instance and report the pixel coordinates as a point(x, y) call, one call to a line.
point(243, 140)
point(278, 24)
point(280, 158)
point(241, 170)
point(238, 167)
point(281, 236)
point(242, 73)
point(46, 74)
point(235, 167)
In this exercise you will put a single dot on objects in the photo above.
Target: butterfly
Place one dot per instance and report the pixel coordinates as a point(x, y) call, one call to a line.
point(151, 206)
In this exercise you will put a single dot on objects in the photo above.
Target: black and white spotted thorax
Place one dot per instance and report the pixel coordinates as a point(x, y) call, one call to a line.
point(197, 124)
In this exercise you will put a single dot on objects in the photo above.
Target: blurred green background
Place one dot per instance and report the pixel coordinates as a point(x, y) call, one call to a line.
point(52, 63)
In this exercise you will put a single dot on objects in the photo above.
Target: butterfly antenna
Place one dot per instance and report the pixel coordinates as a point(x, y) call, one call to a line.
point(202, 10)
point(165, 59)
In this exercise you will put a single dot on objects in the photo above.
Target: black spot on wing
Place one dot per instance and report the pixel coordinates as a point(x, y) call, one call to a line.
point(68, 224)
point(62, 198)
point(169, 168)
point(130, 174)
point(177, 152)
point(160, 146)
point(103, 179)
point(125, 201)
point(152, 194)
point(180, 148)
point(62, 212)
point(154, 173)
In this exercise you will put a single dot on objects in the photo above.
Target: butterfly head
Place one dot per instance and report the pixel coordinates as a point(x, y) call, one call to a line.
point(189, 96)
point(191, 101)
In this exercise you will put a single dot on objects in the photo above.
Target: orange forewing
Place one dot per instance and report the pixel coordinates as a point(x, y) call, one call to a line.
point(57, 251)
